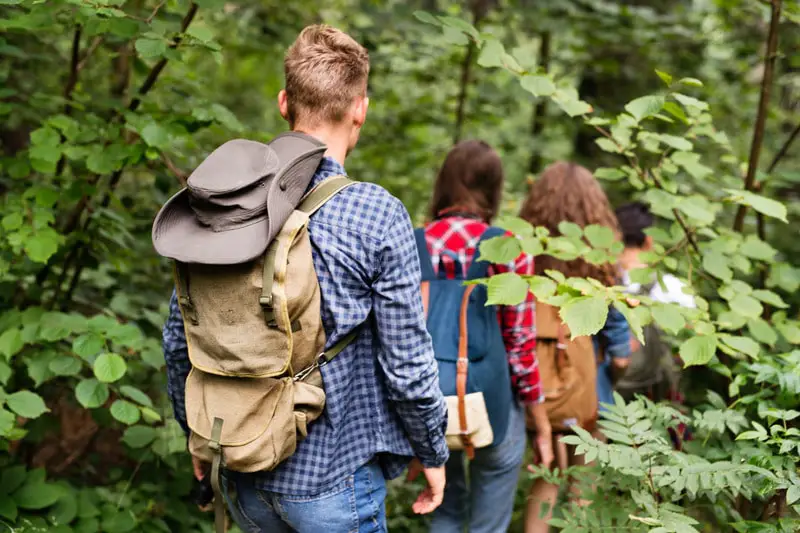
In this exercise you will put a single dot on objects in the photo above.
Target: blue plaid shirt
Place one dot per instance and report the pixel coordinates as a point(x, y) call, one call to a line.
point(383, 397)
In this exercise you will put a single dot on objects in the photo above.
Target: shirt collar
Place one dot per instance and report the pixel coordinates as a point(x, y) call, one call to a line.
point(327, 168)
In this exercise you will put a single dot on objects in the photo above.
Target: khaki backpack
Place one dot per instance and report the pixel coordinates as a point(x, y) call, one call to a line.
point(568, 370)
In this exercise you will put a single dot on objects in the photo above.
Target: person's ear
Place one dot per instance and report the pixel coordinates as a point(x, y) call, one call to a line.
point(283, 104)
point(360, 111)
point(648, 243)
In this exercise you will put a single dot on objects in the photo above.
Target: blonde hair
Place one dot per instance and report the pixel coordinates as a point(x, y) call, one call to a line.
point(569, 192)
point(325, 70)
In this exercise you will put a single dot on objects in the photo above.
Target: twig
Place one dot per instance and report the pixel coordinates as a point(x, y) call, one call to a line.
point(89, 51)
point(182, 175)
point(763, 104)
point(155, 11)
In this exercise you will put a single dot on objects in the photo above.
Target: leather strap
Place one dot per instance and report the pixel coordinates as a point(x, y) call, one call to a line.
point(462, 366)
point(268, 277)
point(323, 192)
point(425, 289)
point(219, 502)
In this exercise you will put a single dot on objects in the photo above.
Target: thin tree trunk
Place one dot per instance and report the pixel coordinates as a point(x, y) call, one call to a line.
point(537, 124)
point(763, 105)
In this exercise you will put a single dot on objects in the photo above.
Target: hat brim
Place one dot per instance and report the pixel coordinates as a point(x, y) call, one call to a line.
point(178, 235)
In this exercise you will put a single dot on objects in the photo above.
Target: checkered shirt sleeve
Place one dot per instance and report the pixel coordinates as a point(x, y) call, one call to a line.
point(176, 356)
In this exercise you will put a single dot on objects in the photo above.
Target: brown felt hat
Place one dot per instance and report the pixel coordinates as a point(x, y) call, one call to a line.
point(237, 200)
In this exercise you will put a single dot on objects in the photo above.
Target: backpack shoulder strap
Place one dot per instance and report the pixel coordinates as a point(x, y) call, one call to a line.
point(425, 261)
point(323, 192)
point(479, 268)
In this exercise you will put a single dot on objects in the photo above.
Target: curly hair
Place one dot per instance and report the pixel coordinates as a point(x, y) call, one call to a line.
point(569, 192)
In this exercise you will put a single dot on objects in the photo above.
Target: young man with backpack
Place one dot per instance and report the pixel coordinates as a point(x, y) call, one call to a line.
point(652, 370)
point(297, 356)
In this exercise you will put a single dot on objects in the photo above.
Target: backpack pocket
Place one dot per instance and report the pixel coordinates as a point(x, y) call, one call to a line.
point(263, 419)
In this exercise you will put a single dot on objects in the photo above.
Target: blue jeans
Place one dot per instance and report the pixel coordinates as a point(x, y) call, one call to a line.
point(355, 506)
point(487, 502)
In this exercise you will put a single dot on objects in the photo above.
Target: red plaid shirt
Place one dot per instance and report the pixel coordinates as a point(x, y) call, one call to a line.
point(460, 236)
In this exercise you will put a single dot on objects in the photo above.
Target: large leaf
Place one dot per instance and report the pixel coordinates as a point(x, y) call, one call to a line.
point(538, 84)
point(516, 225)
point(755, 248)
point(762, 204)
point(36, 494)
point(500, 250)
point(88, 345)
point(668, 317)
point(599, 236)
point(746, 306)
point(698, 350)
point(27, 404)
point(138, 436)
point(91, 393)
point(11, 342)
point(716, 264)
point(109, 367)
point(136, 395)
point(125, 412)
point(645, 106)
point(507, 288)
point(745, 345)
point(585, 315)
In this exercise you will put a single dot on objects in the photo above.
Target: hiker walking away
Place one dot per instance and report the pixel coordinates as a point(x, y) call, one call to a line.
point(653, 371)
point(567, 192)
point(297, 356)
point(486, 354)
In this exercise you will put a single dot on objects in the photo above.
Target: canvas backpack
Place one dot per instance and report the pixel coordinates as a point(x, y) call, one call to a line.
point(651, 369)
point(568, 370)
point(256, 342)
point(469, 349)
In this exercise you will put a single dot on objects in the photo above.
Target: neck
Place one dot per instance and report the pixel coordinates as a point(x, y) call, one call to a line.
point(629, 260)
point(336, 139)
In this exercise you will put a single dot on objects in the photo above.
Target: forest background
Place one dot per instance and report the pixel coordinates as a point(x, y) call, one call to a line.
point(690, 105)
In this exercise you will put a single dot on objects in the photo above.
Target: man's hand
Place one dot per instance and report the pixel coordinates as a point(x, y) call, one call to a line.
point(200, 468)
point(430, 498)
point(543, 450)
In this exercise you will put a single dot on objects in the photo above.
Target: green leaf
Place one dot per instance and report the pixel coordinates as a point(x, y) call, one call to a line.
point(744, 345)
point(676, 111)
point(762, 204)
point(5, 373)
point(26, 404)
point(666, 78)
point(538, 84)
point(610, 174)
point(12, 478)
point(91, 393)
point(136, 395)
point(8, 509)
point(150, 416)
point(516, 225)
point(690, 162)
point(771, 298)
point(109, 367)
point(792, 494)
point(645, 106)
point(65, 510)
point(7, 422)
point(500, 250)
point(42, 245)
point(585, 315)
point(11, 342)
point(203, 34)
point(761, 331)
point(155, 135)
point(790, 331)
point(746, 306)
point(691, 82)
point(570, 229)
point(491, 54)
point(427, 18)
point(698, 350)
point(88, 345)
point(125, 412)
point(461, 25)
point(150, 48)
point(668, 317)
point(691, 104)
point(542, 287)
point(65, 365)
point(673, 141)
point(532, 246)
point(36, 494)
point(121, 521)
point(716, 264)
point(607, 145)
point(755, 248)
point(507, 288)
point(138, 436)
point(599, 236)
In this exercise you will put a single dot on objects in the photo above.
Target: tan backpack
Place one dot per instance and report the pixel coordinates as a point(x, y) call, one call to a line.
point(568, 369)
point(252, 318)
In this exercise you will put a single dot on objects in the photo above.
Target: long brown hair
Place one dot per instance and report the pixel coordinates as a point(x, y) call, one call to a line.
point(470, 180)
point(569, 192)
